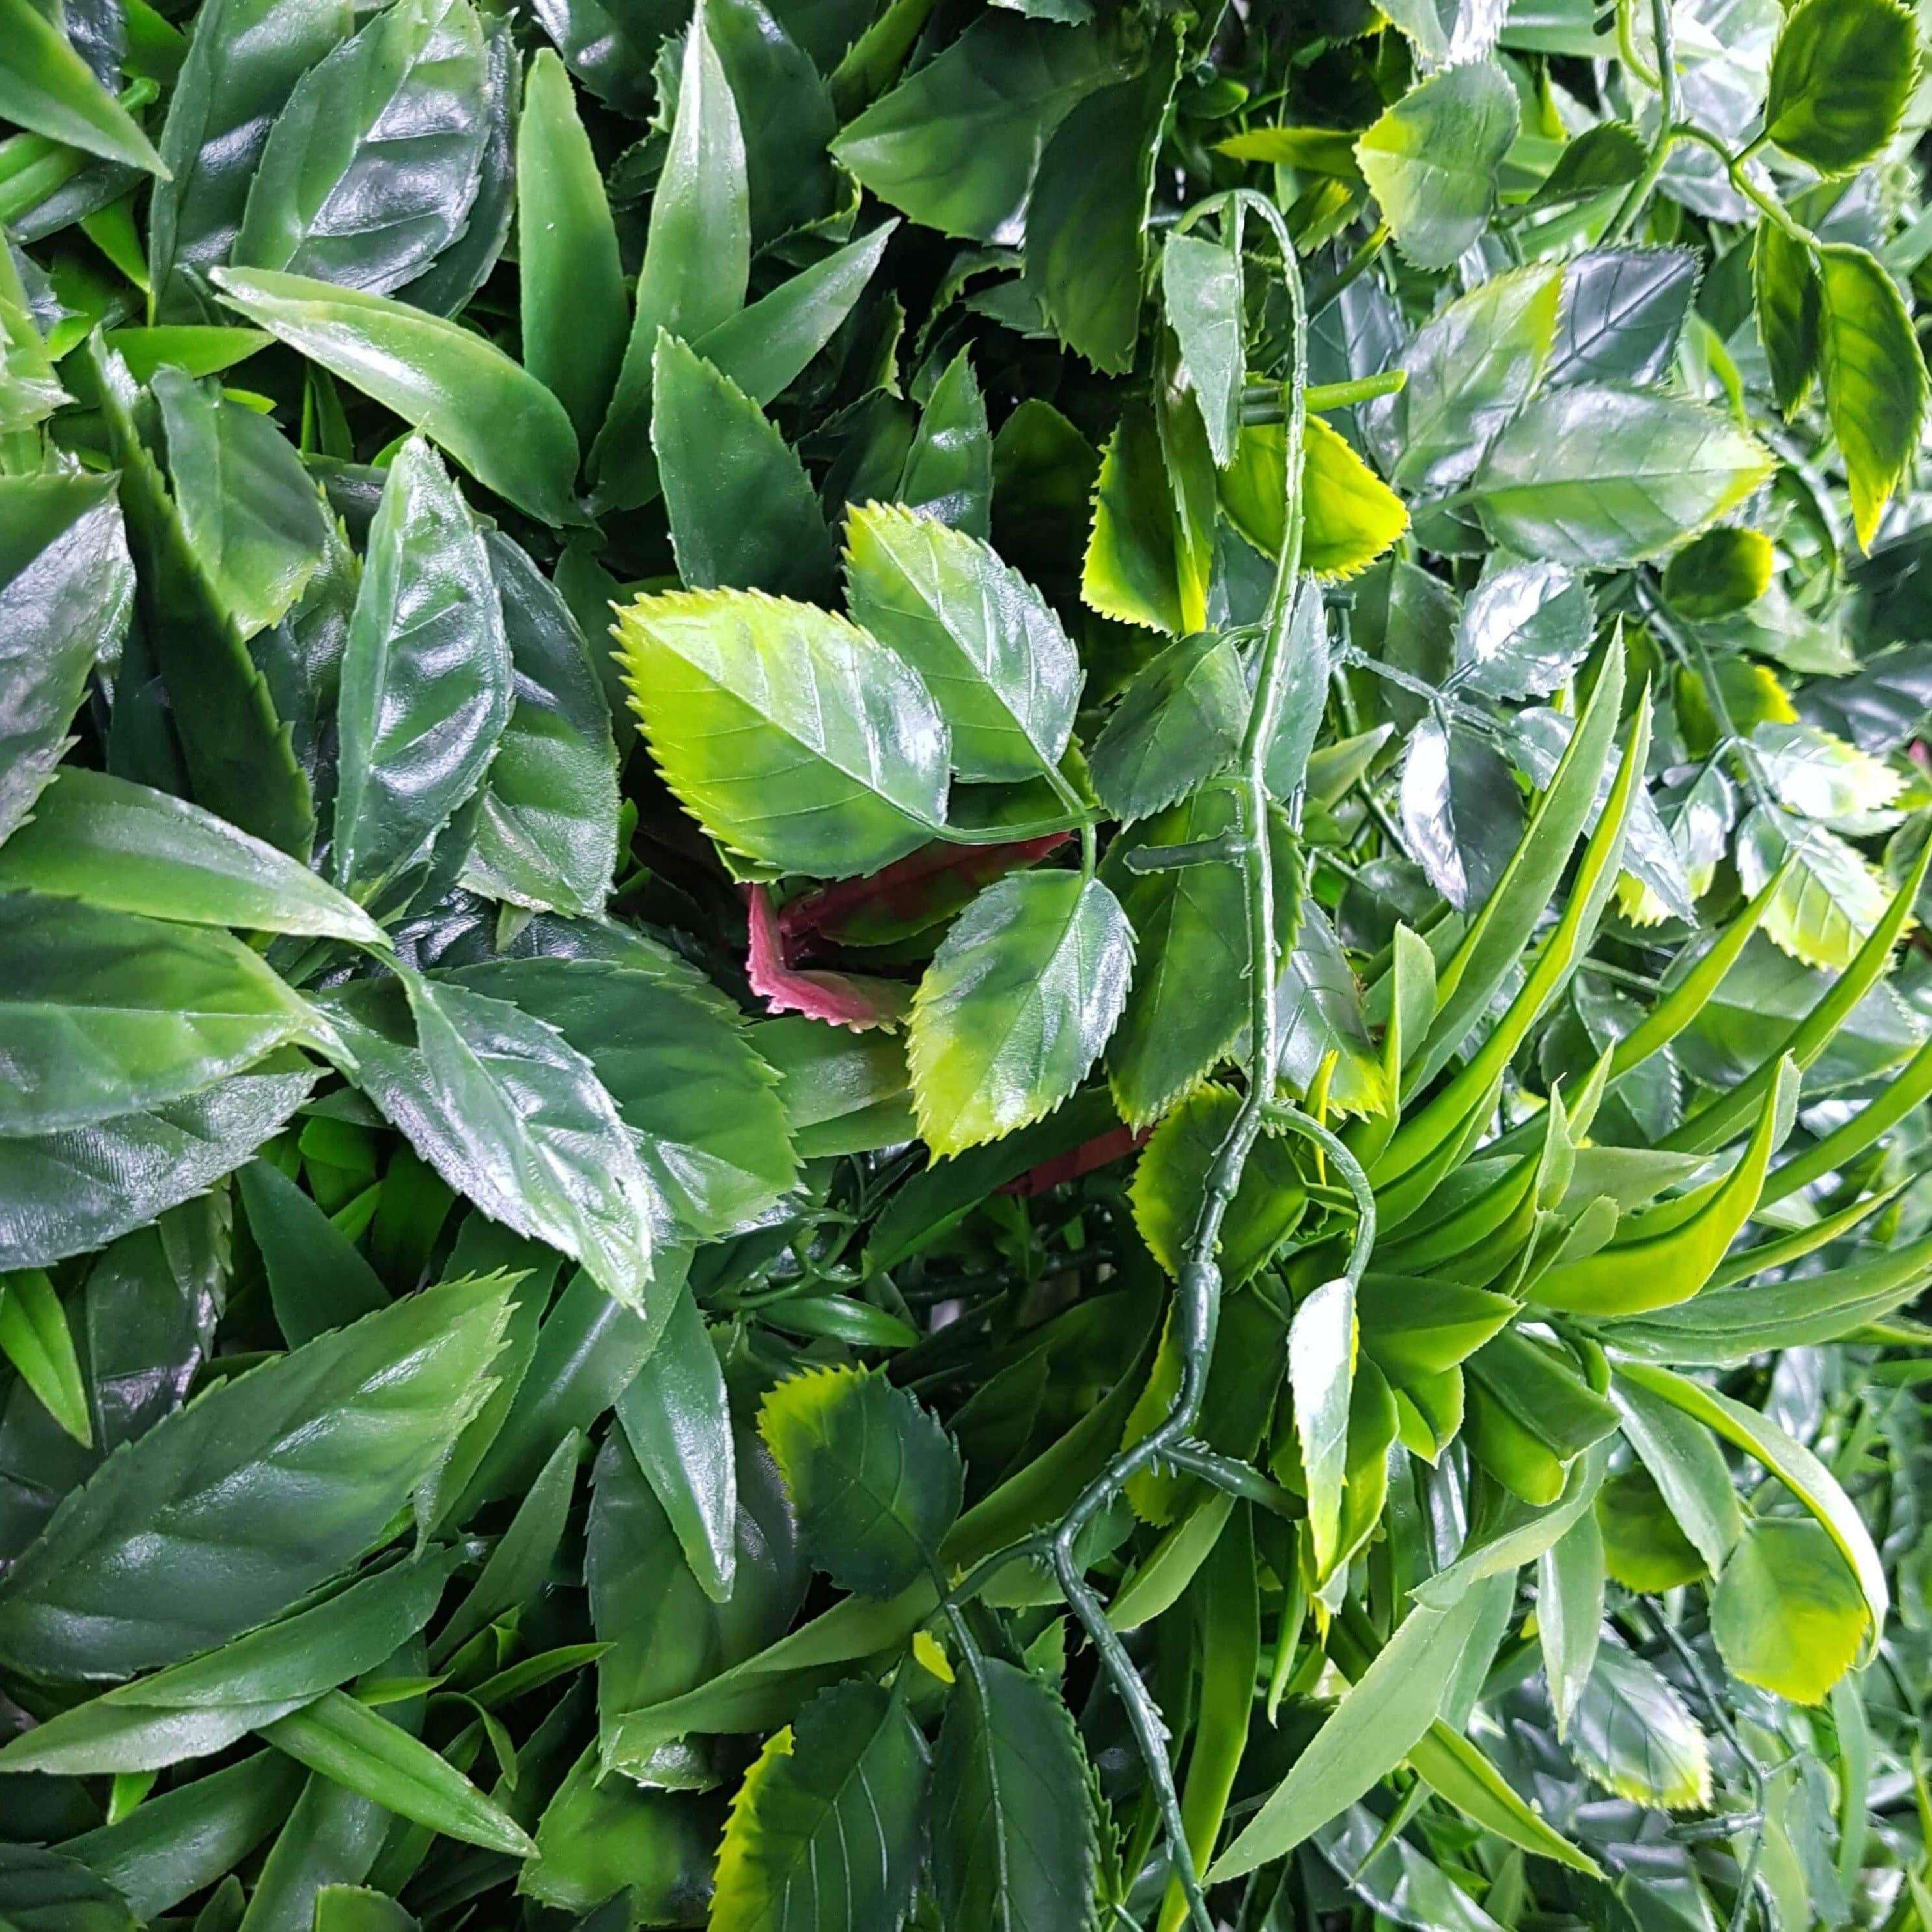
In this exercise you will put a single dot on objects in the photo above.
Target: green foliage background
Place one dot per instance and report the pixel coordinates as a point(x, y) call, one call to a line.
point(961, 965)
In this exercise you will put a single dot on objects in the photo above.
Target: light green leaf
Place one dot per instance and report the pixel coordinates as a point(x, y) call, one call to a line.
point(1432, 160)
point(949, 469)
point(228, 1511)
point(787, 733)
point(1828, 902)
point(34, 1337)
point(1569, 1613)
point(1178, 723)
point(1320, 1376)
point(1787, 1614)
point(1201, 283)
point(875, 1480)
point(1379, 1720)
point(1016, 1005)
point(986, 643)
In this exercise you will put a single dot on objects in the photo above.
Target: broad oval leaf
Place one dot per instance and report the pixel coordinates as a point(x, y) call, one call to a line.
point(1432, 160)
point(987, 644)
point(1787, 1614)
point(789, 733)
point(1179, 722)
point(226, 1513)
point(1016, 1005)
point(875, 1480)
point(372, 165)
point(1013, 1838)
point(1595, 477)
point(1630, 1730)
point(824, 1834)
point(1840, 77)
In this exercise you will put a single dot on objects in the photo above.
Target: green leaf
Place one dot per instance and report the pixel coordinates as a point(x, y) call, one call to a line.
point(1013, 1838)
point(787, 733)
point(1594, 478)
point(196, 1708)
point(698, 1102)
point(787, 111)
point(574, 311)
point(45, 85)
point(1087, 219)
point(1873, 374)
point(66, 1192)
point(1719, 572)
point(1525, 629)
point(949, 469)
point(1610, 155)
point(512, 1117)
point(1130, 571)
point(1461, 812)
point(317, 1278)
point(30, 391)
point(1266, 1207)
point(601, 1838)
point(1379, 1719)
point(1318, 1004)
point(1179, 722)
point(1840, 76)
point(824, 1832)
point(66, 591)
point(875, 1480)
point(106, 1012)
point(248, 510)
point(1623, 311)
point(1788, 296)
point(1016, 1005)
point(667, 1634)
point(43, 1891)
point(353, 1908)
point(957, 145)
point(361, 1750)
point(463, 392)
point(546, 836)
point(1350, 515)
point(1569, 1613)
point(236, 750)
point(985, 643)
point(1630, 1731)
point(274, 1481)
point(34, 1337)
point(1202, 284)
point(1687, 1467)
point(374, 161)
point(1787, 1614)
point(243, 59)
point(1432, 160)
point(676, 1418)
point(128, 849)
point(743, 514)
point(698, 252)
point(426, 679)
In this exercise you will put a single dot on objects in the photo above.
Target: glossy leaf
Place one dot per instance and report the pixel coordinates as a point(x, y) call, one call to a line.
point(1840, 79)
point(1873, 377)
point(1431, 159)
point(1787, 1614)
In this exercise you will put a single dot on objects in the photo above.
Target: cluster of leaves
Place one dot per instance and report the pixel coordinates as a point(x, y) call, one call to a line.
point(961, 965)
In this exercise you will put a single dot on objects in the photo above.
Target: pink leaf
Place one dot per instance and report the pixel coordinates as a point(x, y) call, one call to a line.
point(840, 999)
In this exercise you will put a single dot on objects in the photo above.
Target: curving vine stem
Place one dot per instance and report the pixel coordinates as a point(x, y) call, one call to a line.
point(1198, 1287)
